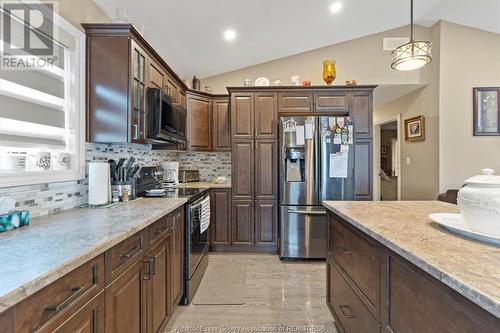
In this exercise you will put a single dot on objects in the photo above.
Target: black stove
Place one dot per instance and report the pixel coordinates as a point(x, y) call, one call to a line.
point(192, 194)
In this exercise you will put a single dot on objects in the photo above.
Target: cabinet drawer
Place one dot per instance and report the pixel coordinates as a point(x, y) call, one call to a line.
point(57, 302)
point(360, 258)
point(331, 101)
point(348, 308)
point(289, 102)
point(125, 254)
point(158, 231)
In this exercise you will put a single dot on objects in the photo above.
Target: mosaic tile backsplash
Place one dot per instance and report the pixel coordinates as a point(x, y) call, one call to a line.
point(42, 199)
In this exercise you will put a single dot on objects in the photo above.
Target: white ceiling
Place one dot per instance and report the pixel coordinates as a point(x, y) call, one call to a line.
point(188, 33)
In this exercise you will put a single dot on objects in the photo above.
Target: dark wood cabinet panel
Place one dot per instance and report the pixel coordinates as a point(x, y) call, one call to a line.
point(242, 222)
point(363, 152)
point(89, 319)
point(415, 305)
point(158, 302)
point(114, 76)
point(221, 124)
point(200, 123)
point(295, 101)
point(266, 169)
point(360, 258)
point(123, 255)
point(266, 115)
point(156, 75)
point(346, 306)
point(126, 301)
point(242, 115)
point(243, 169)
point(220, 226)
point(332, 101)
point(266, 222)
point(172, 89)
point(177, 257)
point(362, 113)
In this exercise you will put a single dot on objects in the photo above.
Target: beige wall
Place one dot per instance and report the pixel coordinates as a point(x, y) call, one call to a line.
point(469, 58)
point(361, 59)
point(77, 12)
point(420, 178)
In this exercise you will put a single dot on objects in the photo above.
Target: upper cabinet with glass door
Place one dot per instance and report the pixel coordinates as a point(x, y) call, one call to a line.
point(121, 66)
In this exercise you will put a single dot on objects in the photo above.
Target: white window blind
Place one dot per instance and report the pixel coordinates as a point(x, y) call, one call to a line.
point(42, 109)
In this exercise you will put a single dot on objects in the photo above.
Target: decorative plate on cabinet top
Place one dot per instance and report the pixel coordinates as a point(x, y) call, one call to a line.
point(262, 82)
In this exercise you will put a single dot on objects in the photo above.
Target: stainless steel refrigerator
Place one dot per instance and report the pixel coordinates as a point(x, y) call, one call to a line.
point(316, 164)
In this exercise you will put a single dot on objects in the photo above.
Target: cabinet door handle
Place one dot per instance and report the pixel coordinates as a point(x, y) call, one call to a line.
point(153, 265)
point(130, 253)
point(346, 311)
point(148, 271)
point(75, 293)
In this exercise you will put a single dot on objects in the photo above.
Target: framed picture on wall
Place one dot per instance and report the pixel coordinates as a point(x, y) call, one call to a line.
point(415, 129)
point(486, 111)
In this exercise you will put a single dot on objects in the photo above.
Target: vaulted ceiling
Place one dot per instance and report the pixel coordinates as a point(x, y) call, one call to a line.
point(189, 33)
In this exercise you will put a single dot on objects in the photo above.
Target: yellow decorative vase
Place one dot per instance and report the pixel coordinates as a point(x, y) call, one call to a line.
point(329, 72)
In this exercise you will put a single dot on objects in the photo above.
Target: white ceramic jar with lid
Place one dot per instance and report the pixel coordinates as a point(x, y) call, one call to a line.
point(479, 202)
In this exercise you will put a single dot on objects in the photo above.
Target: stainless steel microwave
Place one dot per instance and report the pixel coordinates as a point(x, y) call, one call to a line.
point(167, 121)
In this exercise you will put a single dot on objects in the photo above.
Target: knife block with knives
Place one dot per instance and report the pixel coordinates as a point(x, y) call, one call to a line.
point(123, 178)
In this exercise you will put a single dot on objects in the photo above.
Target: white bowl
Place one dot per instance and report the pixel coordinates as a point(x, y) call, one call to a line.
point(479, 202)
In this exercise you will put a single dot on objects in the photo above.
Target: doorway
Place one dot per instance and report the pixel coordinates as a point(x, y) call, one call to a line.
point(387, 171)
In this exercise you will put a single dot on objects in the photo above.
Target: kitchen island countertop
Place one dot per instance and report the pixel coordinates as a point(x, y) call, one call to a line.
point(469, 267)
point(33, 257)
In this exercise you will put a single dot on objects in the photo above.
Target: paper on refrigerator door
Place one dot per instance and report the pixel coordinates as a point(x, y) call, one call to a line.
point(299, 132)
point(338, 165)
point(309, 131)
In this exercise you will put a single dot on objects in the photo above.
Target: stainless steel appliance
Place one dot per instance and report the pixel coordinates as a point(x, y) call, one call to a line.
point(316, 164)
point(170, 173)
point(167, 120)
point(187, 176)
point(196, 242)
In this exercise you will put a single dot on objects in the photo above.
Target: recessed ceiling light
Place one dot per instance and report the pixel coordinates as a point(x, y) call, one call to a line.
point(336, 7)
point(229, 35)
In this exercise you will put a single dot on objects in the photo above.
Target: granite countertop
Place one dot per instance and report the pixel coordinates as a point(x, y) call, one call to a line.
point(205, 185)
point(32, 257)
point(469, 267)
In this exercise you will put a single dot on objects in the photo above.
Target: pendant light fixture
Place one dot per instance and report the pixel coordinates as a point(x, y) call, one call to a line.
point(412, 55)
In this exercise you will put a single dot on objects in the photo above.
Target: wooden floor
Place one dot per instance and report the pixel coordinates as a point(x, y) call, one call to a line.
point(280, 297)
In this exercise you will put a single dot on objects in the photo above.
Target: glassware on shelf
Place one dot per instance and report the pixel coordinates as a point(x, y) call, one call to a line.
point(329, 72)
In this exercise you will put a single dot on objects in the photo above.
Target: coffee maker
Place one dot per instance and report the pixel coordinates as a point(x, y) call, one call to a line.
point(170, 174)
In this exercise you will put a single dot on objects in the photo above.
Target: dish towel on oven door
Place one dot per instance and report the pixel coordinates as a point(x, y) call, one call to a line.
point(204, 214)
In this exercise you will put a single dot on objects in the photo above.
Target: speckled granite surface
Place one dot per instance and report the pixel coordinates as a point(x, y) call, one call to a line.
point(469, 267)
point(205, 184)
point(35, 256)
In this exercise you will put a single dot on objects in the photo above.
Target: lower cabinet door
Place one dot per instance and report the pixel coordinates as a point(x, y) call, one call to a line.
point(347, 308)
point(220, 225)
point(266, 222)
point(126, 301)
point(243, 222)
point(89, 319)
point(418, 304)
point(157, 287)
point(177, 255)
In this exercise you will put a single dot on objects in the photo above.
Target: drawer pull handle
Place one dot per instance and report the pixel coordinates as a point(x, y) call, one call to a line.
point(75, 293)
point(346, 311)
point(158, 232)
point(129, 254)
point(346, 250)
point(307, 212)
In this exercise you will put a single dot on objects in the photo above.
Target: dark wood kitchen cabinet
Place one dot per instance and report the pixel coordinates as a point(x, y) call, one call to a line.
point(126, 301)
point(361, 104)
point(243, 169)
point(89, 319)
point(332, 101)
point(372, 289)
point(199, 131)
point(266, 223)
point(177, 258)
point(266, 115)
point(266, 169)
point(243, 223)
point(120, 66)
point(221, 124)
point(242, 115)
point(157, 286)
point(220, 225)
point(363, 155)
point(295, 101)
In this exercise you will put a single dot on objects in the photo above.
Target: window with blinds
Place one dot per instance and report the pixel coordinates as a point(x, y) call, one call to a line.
point(42, 99)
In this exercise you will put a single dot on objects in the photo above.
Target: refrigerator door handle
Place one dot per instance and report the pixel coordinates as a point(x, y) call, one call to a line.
point(307, 212)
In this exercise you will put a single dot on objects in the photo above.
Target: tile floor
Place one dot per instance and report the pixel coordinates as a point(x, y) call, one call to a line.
point(281, 297)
